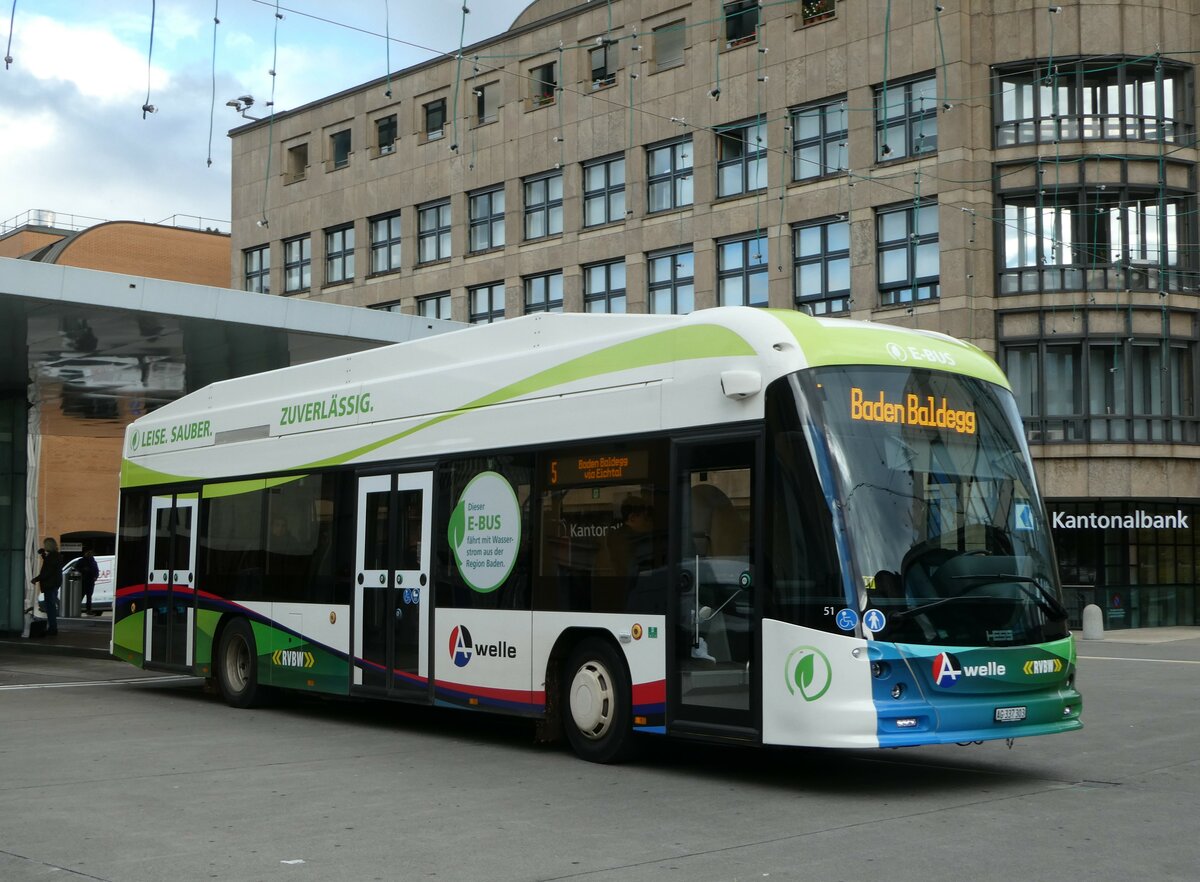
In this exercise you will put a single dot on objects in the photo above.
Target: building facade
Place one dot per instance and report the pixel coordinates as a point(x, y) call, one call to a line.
point(1019, 175)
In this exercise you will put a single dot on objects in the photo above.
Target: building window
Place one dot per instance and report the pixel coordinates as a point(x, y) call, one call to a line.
point(741, 22)
point(604, 192)
point(819, 140)
point(487, 303)
point(672, 285)
point(1109, 388)
point(257, 269)
point(668, 44)
point(385, 243)
point(297, 163)
point(813, 11)
point(486, 219)
point(906, 119)
point(339, 148)
point(487, 103)
point(603, 63)
point(821, 266)
point(1110, 239)
point(1111, 98)
point(435, 119)
point(741, 158)
point(604, 287)
point(543, 206)
point(433, 232)
point(339, 255)
point(908, 253)
point(544, 293)
point(669, 175)
point(543, 83)
point(435, 306)
point(297, 264)
point(742, 272)
point(385, 134)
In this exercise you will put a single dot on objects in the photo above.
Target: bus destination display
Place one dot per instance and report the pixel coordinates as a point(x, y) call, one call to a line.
point(915, 410)
point(590, 468)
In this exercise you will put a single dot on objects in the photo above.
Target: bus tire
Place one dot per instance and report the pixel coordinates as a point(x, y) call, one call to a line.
point(596, 702)
point(237, 666)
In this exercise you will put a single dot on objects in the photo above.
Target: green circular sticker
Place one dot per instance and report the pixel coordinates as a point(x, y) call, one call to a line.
point(485, 531)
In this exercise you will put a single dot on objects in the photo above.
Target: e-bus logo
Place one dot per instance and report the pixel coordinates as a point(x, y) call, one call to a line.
point(932, 356)
point(808, 672)
point(462, 647)
point(947, 670)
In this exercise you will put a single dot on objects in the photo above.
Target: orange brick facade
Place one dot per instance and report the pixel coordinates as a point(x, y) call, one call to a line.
point(78, 480)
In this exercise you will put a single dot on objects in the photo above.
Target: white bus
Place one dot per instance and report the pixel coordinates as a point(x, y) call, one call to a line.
point(745, 525)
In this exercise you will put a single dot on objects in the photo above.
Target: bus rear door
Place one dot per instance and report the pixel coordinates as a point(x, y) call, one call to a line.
point(391, 585)
point(171, 581)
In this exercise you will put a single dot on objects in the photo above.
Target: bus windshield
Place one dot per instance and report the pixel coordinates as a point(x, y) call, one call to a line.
point(940, 520)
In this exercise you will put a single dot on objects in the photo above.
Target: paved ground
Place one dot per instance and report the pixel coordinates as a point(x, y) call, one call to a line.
point(110, 774)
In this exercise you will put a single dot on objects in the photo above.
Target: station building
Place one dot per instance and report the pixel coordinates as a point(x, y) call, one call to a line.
point(1020, 175)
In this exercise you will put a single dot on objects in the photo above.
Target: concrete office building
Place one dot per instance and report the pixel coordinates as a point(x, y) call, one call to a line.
point(1017, 174)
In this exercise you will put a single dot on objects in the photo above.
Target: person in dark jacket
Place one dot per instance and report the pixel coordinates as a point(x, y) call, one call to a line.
point(49, 579)
point(89, 572)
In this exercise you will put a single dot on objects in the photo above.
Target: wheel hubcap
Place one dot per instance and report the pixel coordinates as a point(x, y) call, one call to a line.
point(592, 700)
point(237, 663)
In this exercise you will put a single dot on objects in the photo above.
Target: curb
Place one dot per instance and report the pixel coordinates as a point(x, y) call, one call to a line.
point(43, 647)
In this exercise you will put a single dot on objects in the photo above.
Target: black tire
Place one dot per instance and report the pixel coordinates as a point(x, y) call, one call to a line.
point(237, 666)
point(596, 703)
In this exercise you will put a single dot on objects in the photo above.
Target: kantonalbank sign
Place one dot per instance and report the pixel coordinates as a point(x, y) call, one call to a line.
point(1139, 520)
point(914, 410)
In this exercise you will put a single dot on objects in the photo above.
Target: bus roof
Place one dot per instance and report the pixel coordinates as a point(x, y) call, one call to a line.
point(539, 378)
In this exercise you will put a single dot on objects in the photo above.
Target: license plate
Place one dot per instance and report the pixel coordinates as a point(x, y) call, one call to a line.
point(1010, 714)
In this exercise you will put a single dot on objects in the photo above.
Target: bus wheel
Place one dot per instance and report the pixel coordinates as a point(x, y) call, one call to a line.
point(596, 700)
point(237, 665)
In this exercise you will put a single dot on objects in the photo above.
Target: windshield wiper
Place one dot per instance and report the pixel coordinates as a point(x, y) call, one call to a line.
point(1044, 598)
point(905, 613)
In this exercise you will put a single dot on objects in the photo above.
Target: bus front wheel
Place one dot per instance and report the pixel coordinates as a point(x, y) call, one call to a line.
point(237, 665)
point(596, 698)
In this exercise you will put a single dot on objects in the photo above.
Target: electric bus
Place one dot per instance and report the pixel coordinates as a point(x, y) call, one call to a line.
point(744, 525)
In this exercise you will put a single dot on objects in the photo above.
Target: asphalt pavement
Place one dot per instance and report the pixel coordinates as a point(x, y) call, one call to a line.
point(111, 773)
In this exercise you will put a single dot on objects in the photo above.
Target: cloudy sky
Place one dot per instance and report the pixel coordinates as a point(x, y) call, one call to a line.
point(72, 136)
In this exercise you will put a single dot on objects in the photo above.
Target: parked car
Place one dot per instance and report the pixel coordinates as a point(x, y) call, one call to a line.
point(102, 596)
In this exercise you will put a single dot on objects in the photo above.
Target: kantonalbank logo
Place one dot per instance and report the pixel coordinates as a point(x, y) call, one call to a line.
point(463, 648)
point(913, 411)
point(947, 670)
point(807, 671)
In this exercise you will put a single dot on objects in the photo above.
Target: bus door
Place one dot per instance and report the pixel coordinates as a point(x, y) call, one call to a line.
point(391, 584)
point(712, 677)
point(171, 581)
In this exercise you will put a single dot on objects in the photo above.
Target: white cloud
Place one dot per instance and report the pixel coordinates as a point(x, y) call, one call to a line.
point(88, 57)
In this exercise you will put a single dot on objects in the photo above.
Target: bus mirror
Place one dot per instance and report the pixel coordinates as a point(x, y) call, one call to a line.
point(740, 384)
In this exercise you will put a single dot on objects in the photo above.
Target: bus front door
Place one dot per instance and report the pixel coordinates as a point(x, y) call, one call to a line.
point(711, 684)
point(171, 581)
point(391, 585)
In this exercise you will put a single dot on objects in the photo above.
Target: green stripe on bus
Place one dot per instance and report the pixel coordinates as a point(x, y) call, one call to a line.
point(676, 344)
point(880, 344)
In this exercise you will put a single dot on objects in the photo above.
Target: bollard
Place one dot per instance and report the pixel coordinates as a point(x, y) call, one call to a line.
point(1093, 622)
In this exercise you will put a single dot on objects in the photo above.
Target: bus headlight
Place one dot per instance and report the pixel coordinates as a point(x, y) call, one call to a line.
point(898, 691)
point(880, 670)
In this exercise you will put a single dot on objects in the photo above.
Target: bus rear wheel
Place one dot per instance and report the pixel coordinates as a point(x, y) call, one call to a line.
point(596, 698)
point(237, 666)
